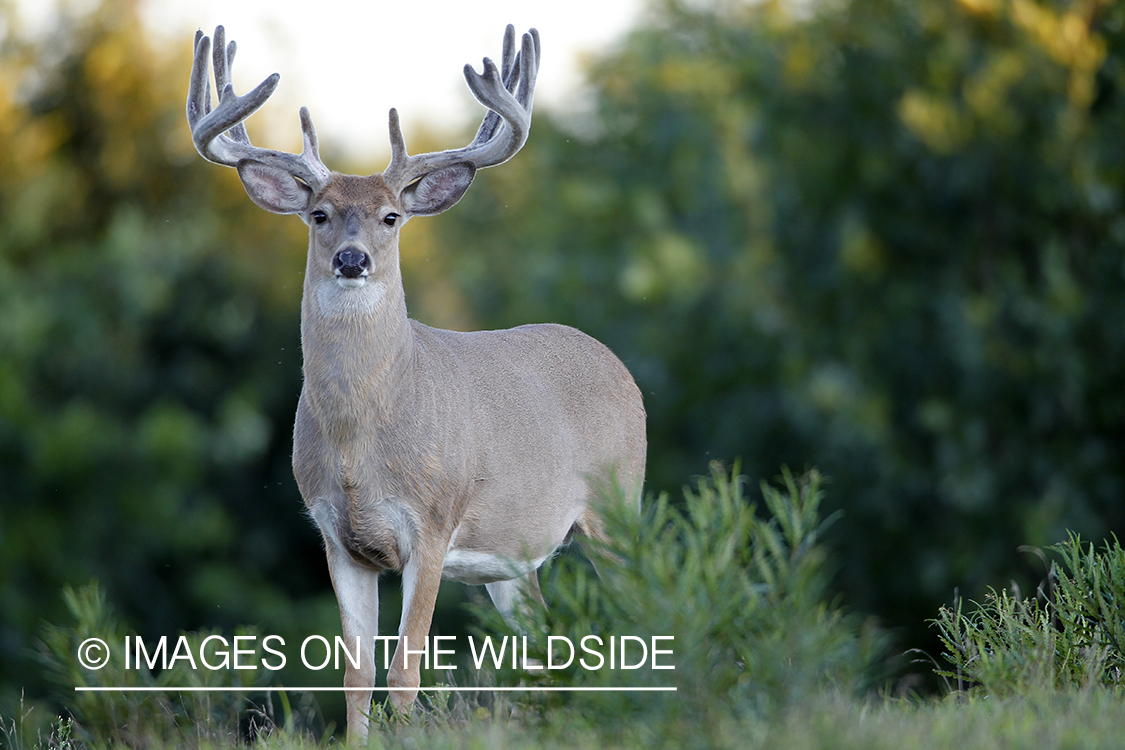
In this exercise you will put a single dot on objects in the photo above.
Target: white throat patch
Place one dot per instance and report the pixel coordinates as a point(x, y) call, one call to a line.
point(347, 297)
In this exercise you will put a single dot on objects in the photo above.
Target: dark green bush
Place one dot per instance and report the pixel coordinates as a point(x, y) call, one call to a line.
point(143, 718)
point(1072, 635)
point(743, 595)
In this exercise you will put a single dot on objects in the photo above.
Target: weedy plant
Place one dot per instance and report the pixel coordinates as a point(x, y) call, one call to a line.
point(1071, 635)
point(742, 594)
point(144, 718)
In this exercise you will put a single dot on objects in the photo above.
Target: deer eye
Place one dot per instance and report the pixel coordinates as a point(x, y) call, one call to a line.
point(390, 219)
point(319, 216)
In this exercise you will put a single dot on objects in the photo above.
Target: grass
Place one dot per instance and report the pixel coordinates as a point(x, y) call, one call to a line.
point(1084, 719)
point(763, 659)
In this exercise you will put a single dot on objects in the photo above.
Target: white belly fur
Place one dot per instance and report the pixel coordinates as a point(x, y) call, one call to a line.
point(471, 567)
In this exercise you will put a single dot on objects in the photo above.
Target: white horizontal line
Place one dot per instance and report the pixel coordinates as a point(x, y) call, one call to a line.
point(374, 689)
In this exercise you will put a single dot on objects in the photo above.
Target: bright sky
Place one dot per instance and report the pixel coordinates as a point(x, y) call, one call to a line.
point(350, 61)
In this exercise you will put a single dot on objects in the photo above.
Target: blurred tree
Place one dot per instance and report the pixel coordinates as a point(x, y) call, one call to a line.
point(149, 355)
point(882, 237)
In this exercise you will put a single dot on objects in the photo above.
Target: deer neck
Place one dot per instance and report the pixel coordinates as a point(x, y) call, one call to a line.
point(357, 346)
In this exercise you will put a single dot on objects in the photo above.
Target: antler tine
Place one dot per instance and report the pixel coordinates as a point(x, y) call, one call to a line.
point(509, 55)
point(530, 69)
point(224, 66)
point(508, 93)
point(220, 134)
point(399, 157)
point(510, 74)
point(199, 87)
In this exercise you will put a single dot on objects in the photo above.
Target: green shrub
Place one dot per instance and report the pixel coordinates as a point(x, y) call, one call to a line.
point(743, 596)
point(1070, 636)
point(143, 718)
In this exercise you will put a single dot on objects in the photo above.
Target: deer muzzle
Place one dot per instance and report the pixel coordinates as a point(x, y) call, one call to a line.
point(351, 263)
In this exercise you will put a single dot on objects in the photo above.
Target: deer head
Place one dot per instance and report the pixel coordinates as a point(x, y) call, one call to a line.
point(354, 221)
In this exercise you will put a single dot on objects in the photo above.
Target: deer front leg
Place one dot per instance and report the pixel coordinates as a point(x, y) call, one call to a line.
point(357, 592)
point(421, 577)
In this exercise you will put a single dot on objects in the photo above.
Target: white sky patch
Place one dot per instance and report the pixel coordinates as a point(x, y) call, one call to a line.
point(350, 61)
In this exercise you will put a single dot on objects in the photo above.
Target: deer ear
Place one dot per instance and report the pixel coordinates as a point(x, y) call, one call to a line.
point(438, 190)
point(273, 189)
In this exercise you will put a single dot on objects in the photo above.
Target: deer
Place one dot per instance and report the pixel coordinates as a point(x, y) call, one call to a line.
point(469, 456)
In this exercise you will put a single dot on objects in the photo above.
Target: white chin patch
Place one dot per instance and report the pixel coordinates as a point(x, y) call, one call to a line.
point(347, 283)
point(348, 298)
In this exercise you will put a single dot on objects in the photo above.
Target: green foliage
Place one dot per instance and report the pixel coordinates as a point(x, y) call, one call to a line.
point(742, 595)
point(143, 718)
point(149, 355)
point(1090, 597)
point(1074, 639)
point(880, 236)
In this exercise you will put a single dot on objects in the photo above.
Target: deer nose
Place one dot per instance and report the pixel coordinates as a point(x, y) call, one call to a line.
point(351, 263)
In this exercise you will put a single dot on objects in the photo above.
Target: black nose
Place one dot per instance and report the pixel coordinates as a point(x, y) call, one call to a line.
point(351, 263)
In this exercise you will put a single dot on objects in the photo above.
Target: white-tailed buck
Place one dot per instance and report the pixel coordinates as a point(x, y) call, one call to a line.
point(440, 454)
